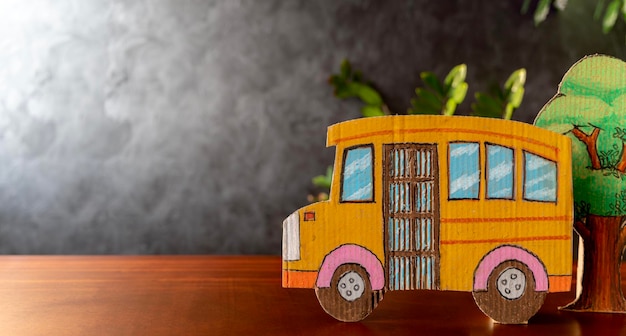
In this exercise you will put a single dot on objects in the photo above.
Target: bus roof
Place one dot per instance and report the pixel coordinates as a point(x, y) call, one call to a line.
point(398, 126)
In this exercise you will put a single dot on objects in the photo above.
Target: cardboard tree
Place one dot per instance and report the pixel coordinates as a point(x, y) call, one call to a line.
point(590, 108)
point(437, 203)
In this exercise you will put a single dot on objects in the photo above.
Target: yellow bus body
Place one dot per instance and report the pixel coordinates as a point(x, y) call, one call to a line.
point(468, 229)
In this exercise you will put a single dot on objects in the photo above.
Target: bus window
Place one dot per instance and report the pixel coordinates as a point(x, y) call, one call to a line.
point(464, 171)
point(539, 178)
point(499, 172)
point(357, 175)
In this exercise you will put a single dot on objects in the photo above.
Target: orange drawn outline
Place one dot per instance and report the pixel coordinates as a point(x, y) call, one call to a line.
point(505, 219)
point(471, 131)
point(509, 240)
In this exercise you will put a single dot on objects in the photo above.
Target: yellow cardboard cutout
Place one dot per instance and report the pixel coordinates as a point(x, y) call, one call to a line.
point(590, 108)
point(442, 203)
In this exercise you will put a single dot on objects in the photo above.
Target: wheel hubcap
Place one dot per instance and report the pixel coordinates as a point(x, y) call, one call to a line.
point(511, 283)
point(351, 286)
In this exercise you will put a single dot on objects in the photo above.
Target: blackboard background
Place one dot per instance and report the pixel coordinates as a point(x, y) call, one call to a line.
point(131, 127)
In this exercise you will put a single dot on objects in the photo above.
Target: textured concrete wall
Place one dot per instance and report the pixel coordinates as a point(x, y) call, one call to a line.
point(195, 126)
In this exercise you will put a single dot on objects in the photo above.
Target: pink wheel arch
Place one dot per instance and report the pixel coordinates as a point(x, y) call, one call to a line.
point(504, 253)
point(351, 254)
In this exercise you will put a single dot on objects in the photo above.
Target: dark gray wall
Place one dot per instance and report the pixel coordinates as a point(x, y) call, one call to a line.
point(196, 126)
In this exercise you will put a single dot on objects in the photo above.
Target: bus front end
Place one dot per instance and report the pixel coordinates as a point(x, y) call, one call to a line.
point(302, 242)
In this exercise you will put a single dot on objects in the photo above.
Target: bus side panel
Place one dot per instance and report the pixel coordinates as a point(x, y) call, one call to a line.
point(472, 228)
point(460, 257)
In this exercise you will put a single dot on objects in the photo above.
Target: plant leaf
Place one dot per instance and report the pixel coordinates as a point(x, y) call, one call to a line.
point(456, 76)
point(488, 101)
point(610, 16)
point(429, 98)
point(516, 97)
point(598, 11)
point(431, 80)
point(323, 181)
point(486, 106)
point(368, 94)
point(419, 107)
point(344, 91)
point(525, 6)
point(449, 108)
point(458, 93)
point(560, 4)
point(508, 112)
point(516, 79)
point(372, 111)
point(345, 69)
point(541, 13)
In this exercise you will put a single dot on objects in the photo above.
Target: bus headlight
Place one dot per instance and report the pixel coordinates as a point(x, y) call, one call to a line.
point(291, 237)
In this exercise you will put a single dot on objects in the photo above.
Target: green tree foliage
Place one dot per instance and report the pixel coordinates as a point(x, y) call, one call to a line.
point(591, 109)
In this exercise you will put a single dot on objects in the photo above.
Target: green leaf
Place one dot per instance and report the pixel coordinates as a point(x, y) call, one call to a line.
point(420, 108)
point(431, 80)
point(429, 98)
point(449, 108)
point(334, 80)
point(366, 93)
point(372, 111)
point(598, 10)
point(486, 106)
point(345, 69)
point(456, 76)
point(610, 16)
point(508, 112)
point(344, 91)
point(516, 79)
point(324, 181)
point(458, 93)
point(488, 101)
point(541, 13)
point(525, 6)
point(560, 4)
point(515, 98)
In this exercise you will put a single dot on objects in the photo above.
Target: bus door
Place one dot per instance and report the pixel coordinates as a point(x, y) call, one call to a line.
point(411, 215)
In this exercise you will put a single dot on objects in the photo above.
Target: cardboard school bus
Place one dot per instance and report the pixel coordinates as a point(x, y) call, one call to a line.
point(438, 203)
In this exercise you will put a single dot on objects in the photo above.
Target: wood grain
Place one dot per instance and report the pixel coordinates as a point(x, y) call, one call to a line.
point(221, 295)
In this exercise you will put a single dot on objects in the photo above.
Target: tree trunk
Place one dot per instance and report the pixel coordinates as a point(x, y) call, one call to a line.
point(590, 141)
point(603, 242)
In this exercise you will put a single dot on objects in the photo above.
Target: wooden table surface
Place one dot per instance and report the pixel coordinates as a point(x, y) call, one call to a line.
point(242, 295)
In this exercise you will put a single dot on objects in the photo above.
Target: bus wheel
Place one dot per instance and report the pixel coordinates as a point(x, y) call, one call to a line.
point(510, 297)
point(350, 297)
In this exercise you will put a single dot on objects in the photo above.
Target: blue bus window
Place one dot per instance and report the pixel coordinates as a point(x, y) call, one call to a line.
point(539, 178)
point(464, 171)
point(358, 175)
point(500, 170)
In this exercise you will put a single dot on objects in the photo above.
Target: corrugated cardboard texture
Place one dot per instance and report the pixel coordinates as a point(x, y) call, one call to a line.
point(443, 203)
point(590, 108)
